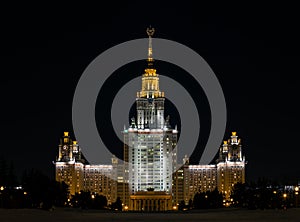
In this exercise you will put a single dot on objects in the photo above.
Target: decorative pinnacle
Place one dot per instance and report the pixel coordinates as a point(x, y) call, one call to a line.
point(150, 31)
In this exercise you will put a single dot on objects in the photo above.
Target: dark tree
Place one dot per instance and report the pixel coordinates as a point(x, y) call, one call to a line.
point(99, 202)
point(240, 195)
point(117, 205)
point(11, 177)
point(209, 199)
point(86, 200)
point(82, 200)
point(3, 172)
point(41, 192)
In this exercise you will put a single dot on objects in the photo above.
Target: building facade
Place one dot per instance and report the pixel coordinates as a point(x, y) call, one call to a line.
point(150, 142)
point(72, 168)
point(228, 170)
point(145, 181)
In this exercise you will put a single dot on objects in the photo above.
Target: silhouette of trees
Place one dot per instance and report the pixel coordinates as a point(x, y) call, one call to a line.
point(35, 191)
point(209, 199)
point(43, 192)
point(38, 191)
point(9, 196)
point(3, 172)
point(117, 205)
point(87, 200)
point(181, 205)
point(7, 176)
point(264, 194)
point(240, 195)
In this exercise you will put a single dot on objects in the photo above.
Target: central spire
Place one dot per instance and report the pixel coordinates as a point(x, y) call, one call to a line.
point(150, 79)
point(150, 32)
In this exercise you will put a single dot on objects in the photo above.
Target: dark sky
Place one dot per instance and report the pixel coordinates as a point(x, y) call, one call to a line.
point(253, 50)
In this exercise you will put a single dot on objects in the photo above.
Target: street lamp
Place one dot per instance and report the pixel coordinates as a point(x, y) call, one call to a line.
point(296, 193)
point(284, 195)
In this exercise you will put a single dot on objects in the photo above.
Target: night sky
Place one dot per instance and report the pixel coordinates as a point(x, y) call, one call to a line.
point(252, 49)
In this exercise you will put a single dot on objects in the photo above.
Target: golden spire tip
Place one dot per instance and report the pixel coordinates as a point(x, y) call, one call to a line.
point(150, 31)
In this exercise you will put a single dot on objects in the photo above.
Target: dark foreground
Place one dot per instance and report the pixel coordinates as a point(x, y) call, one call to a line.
point(66, 215)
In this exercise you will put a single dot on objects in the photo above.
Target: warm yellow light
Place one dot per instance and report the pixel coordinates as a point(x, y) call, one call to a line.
point(225, 142)
point(206, 196)
point(93, 196)
point(274, 192)
point(296, 193)
point(25, 193)
point(296, 189)
point(150, 72)
point(68, 199)
point(233, 133)
point(126, 208)
point(66, 133)
point(2, 188)
point(174, 207)
point(284, 195)
point(74, 142)
point(231, 199)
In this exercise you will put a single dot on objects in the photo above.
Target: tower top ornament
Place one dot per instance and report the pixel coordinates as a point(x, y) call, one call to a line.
point(150, 31)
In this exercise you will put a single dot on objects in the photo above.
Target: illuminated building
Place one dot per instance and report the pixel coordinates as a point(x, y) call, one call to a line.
point(230, 165)
point(145, 181)
point(150, 142)
point(201, 178)
point(228, 170)
point(72, 168)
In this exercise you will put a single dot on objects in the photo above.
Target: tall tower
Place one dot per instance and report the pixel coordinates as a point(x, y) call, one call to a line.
point(231, 165)
point(69, 165)
point(150, 142)
point(150, 100)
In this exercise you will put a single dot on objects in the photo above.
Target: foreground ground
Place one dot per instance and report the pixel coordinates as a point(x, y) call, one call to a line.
point(224, 215)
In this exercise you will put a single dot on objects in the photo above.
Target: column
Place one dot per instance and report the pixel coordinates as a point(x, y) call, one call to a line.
point(166, 205)
point(152, 205)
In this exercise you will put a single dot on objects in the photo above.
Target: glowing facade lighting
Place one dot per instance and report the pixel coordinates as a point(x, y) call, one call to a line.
point(150, 155)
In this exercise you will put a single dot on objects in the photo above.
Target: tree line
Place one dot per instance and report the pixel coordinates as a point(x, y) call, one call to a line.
point(36, 190)
point(262, 194)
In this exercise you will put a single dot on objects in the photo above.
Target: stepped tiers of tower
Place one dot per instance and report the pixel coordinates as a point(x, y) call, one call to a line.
point(146, 179)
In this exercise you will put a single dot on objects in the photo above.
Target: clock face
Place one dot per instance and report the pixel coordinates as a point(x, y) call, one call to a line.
point(65, 147)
